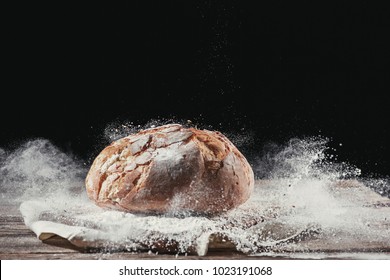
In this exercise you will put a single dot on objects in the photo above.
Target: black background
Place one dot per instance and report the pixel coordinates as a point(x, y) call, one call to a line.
point(273, 70)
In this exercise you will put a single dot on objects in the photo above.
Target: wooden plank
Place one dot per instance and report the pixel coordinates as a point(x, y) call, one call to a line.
point(126, 256)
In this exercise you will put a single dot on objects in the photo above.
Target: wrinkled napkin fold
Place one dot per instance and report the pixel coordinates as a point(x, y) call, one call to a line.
point(92, 227)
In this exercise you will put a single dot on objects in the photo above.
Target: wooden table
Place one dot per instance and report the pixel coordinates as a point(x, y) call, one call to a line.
point(20, 243)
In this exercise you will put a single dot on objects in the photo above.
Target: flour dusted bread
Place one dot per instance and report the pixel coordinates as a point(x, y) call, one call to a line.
point(170, 168)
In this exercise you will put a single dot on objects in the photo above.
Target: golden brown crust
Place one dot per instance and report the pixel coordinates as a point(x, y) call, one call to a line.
point(170, 168)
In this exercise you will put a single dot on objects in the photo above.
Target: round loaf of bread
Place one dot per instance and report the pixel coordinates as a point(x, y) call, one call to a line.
point(170, 168)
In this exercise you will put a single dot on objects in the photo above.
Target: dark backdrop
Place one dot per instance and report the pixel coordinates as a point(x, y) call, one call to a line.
point(274, 70)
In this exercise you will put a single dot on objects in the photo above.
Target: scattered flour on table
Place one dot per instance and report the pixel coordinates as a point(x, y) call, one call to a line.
point(296, 191)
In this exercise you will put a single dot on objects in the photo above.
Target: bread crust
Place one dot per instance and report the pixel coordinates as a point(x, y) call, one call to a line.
point(170, 168)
